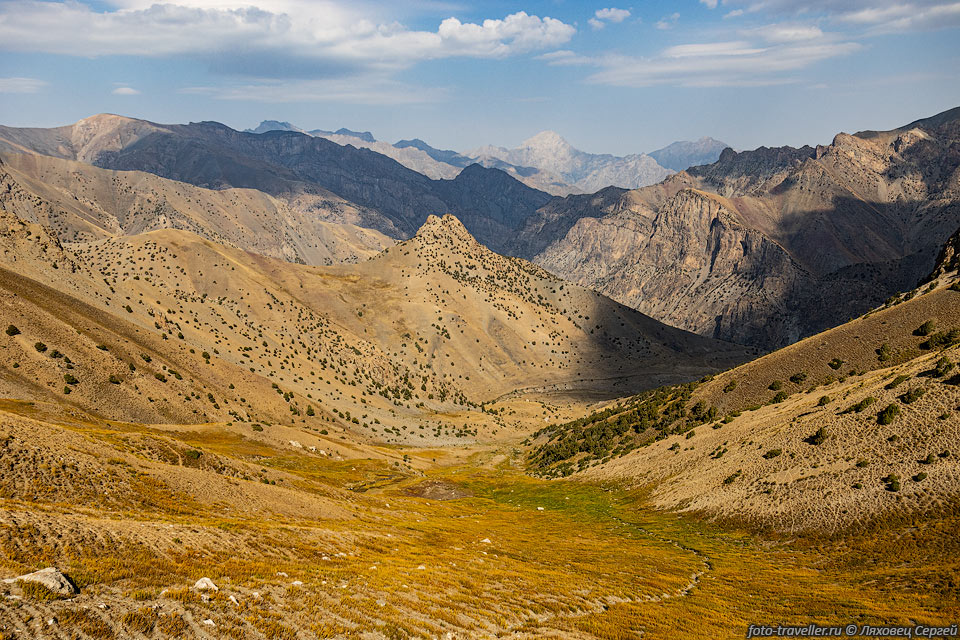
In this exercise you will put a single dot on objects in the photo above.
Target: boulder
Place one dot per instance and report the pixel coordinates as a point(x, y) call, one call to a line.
point(205, 584)
point(51, 578)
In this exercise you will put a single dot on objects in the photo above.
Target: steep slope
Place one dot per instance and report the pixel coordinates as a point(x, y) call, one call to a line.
point(285, 164)
point(854, 425)
point(589, 172)
point(82, 203)
point(767, 246)
point(684, 154)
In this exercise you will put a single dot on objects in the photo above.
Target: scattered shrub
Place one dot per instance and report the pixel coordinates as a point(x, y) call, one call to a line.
point(860, 406)
point(732, 478)
point(12, 330)
point(798, 377)
point(925, 329)
point(888, 415)
point(818, 437)
point(114, 379)
point(943, 367)
point(892, 481)
point(776, 385)
point(39, 346)
point(920, 477)
point(912, 395)
point(942, 339)
point(730, 386)
point(779, 397)
point(835, 364)
point(70, 379)
point(773, 453)
point(823, 401)
point(896, 382)
point(884, 352)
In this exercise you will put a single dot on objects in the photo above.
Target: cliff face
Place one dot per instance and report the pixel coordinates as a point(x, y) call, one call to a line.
point(764, 247)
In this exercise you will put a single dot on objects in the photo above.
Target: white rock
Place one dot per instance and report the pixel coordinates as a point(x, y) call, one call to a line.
point(205, 584)
point(539, 508)
point(209, 622)
point(295, 444)
point(486, 541)
point(297, 583)
point(51, 578)
point(421, 568)
point(234, 600)
point(282, 574)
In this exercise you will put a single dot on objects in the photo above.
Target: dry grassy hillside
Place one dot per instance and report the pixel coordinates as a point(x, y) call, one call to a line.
point(169, 327)
point(859, 423)
point(82, 203)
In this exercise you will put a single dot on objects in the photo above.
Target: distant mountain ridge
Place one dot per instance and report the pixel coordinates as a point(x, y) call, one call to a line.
point(545, 161)
point(682, 155)
point(588, 172)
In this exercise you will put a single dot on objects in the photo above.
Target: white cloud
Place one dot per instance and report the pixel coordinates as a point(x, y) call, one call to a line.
point(612, 15)
point(21, 85)
point(709, 4)
point(759, 60)
point(667, 22)
point(788, 32)
point(879, 16)
point(905, 17)
point(602, 16)
point(307, 32)
point(125, 91)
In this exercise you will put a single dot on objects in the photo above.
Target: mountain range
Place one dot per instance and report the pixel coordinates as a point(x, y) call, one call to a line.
point(761, 248)
point(545, 161)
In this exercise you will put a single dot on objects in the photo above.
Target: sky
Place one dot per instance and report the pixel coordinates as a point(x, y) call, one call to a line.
point(624, 78)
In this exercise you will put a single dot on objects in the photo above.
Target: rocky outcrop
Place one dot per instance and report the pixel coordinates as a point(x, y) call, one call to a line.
point(948, 260)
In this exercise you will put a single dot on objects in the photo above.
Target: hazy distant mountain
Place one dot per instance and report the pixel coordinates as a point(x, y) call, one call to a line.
point(365, 136)
point(273, 125)
point(440, 155)
point(276, 125)
point(588, 172)
point(685, 154)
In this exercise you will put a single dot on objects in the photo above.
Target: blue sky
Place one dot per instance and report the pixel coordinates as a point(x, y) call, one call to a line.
point(617, 78)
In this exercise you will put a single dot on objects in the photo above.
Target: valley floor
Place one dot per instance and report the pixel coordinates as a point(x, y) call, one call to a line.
point(301, 545)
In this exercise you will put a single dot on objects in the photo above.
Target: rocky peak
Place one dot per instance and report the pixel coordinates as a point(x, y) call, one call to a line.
point(545, 140)
point(441, 229)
